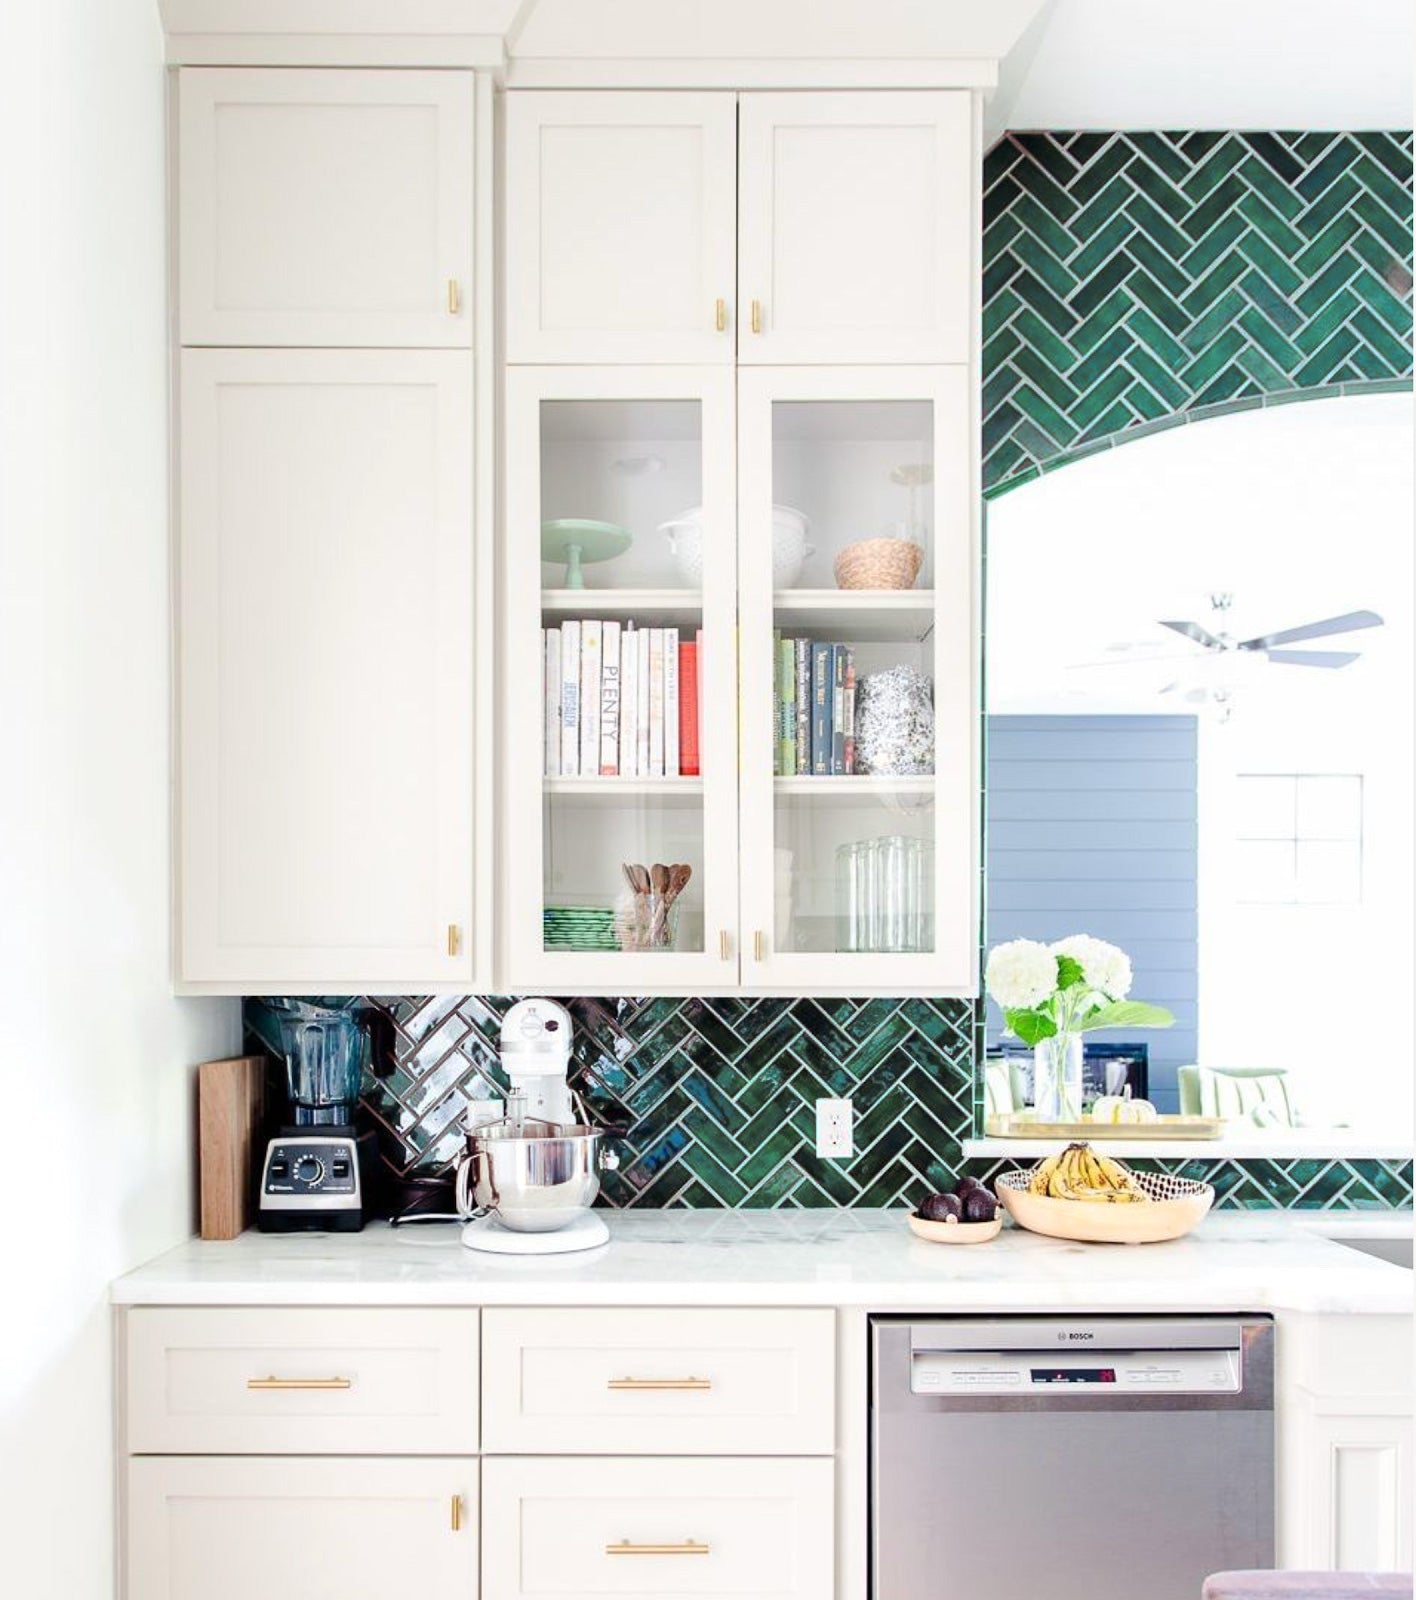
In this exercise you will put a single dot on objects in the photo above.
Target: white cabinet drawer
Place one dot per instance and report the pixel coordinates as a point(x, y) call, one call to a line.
point(204, 1529)
point(260, 1381)
point(574, 1529)
point(647, 1382)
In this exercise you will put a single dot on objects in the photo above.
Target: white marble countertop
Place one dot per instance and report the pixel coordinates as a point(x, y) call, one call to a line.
point(863, 1259)
point(1236, 1142)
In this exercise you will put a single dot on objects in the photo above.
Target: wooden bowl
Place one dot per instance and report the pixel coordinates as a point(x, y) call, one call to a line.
point(1176, 1206)
point(955, 1232)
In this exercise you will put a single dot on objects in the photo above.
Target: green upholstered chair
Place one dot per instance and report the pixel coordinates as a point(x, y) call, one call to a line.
point(1259, 1095)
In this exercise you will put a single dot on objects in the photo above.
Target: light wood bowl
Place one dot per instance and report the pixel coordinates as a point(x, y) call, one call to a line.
point(955, 1232)
point(1176, 1206)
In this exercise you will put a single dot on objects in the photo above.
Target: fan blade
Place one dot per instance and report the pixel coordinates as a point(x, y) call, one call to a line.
point(1192, 630)
point(1314, 658)
point(1350, 622)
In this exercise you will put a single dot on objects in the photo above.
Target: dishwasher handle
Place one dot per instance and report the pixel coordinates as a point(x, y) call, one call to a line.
point(1055, 1335)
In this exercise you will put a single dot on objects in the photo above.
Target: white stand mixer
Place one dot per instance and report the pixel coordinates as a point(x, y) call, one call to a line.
point(534, 1170)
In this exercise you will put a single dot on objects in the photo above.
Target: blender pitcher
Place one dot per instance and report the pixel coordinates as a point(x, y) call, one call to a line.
point(324, 1063)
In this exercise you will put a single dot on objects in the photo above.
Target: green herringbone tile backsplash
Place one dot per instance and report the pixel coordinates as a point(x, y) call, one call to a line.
point(1130, 281)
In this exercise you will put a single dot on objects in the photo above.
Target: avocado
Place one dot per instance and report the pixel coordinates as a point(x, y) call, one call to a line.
point(979, 1205)
point(941, 1208)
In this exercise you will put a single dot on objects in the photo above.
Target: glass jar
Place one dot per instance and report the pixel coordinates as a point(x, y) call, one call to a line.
point(1057, 1078)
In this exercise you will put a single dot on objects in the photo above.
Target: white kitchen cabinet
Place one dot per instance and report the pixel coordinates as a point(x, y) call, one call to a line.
point(321, 207)
point(325, 608)
point(848, 453)
point(581, 1528)
point(857, 227)
point(323, 1528)
point(822, 227)
point(620, 226)
point(1345, 1444)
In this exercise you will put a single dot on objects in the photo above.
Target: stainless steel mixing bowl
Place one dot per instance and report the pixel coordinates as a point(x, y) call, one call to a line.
point(534, 1184)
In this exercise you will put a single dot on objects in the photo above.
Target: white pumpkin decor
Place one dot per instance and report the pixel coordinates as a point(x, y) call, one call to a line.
point(1121, 1108)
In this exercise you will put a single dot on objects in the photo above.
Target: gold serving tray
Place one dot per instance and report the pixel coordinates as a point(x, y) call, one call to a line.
point(1023, 1125)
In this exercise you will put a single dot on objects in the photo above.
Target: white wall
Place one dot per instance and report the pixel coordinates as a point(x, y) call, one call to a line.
point(95, 1055)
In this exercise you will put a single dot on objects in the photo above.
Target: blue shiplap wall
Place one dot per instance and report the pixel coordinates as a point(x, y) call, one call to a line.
point(1091, 829)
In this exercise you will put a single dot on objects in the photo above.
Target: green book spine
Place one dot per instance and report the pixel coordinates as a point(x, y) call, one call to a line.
point(786, 708)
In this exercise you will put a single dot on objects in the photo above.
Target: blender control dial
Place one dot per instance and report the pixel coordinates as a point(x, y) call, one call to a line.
point(309, 1170)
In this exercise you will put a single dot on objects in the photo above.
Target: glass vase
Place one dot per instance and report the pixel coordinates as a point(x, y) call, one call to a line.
point(1057, 1078)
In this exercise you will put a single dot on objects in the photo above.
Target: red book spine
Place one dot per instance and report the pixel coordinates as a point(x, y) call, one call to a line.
point(688, 711)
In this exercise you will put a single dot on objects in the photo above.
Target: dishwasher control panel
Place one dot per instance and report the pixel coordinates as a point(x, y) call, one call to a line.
point(985, 1372)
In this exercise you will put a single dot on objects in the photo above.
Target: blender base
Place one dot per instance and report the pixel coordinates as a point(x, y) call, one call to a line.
point(488, 1234)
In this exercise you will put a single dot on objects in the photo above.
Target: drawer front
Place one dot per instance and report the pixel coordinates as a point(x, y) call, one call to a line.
point(236, 1382)
point(577, 1528)
point(659, 1382)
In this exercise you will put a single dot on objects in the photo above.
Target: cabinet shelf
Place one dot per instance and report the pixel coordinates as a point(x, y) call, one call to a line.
point(855, 787)
point(859, 615)
point(673, 604)
point(683, 790)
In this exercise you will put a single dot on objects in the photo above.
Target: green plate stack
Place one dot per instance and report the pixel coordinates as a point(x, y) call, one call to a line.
point(579, 928)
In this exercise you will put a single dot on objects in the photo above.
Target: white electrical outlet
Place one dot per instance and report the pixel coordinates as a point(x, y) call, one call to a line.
point(833, 1128)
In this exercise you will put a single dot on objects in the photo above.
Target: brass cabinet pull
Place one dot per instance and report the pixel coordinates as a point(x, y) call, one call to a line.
point(689, 1547)
point(454, 297)
point(720, 316)
point(454, 939)
point(299, 1383)
point(457, 1513)
point(639, 1384)
point(759, 946)
point(725, 952)
point(757, 316)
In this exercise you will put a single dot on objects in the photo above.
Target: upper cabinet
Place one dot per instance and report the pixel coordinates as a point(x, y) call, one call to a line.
point(620, 227)
point(819, 227)
point(855, 227)
point(325, 207)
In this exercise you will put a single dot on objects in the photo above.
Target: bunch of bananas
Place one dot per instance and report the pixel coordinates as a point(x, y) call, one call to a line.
point(1079, 1173)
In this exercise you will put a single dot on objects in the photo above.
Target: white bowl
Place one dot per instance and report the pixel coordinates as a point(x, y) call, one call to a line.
point(789, 546)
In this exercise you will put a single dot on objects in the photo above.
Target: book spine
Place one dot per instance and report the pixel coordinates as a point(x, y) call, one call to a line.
point(591, 644)
point(570, 699)
point(786, 721)
point(802, 649)
point(629, 702)
point(688, 709)
point(820, 710)
point(551, 699)
point(838, 710)
point(850, 711)
point(656, 703)
point(672, 752)
point(610, 700)
point(642, 713)
point(776, 705)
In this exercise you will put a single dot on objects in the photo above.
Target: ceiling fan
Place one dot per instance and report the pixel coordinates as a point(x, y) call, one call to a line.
point(1219, 641)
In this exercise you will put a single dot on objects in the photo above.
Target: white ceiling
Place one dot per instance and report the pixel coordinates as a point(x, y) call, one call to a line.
point(1284, 64)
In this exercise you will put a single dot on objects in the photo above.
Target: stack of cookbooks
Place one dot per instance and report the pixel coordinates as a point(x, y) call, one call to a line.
point(621, 701)
point(814, 693)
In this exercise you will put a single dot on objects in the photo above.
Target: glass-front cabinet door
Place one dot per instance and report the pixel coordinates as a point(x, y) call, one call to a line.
point(859, 657)
point(619, 742)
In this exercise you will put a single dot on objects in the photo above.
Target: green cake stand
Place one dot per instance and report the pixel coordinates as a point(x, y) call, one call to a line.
point(575, 541)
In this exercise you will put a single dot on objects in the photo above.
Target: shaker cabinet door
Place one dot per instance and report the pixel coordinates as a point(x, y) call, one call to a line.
point(620, 227)
point(325, 207)
point(856, 227)
point(326, 661)
point(214, 1528)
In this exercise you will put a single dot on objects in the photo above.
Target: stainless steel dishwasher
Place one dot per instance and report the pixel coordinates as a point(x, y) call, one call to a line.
point(1097, 1458)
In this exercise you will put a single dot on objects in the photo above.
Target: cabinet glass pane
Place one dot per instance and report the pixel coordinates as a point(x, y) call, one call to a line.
point(853, 617)
point(623, 548)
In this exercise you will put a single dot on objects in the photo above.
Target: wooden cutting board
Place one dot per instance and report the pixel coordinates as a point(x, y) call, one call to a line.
point(230, 1101)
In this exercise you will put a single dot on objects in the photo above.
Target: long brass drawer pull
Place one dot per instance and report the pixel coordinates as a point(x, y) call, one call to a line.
point(659, 1383)
point(457, 1513)
point(299, 1383)
point(689, 1547)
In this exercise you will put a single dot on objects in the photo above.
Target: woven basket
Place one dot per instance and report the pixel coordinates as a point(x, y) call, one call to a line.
point(1176, 1206)
point(878, 564)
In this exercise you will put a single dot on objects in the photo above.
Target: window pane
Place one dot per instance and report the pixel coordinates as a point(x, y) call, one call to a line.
point(1330, 807)
point(1266, 807)
point(1265, 871)
point(1329, 873)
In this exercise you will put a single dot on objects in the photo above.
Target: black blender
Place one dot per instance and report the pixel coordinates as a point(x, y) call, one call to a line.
point(310, 1180)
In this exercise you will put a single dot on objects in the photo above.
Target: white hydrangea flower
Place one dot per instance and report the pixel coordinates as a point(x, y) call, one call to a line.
point(1104, 966)
point(1021, 974)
